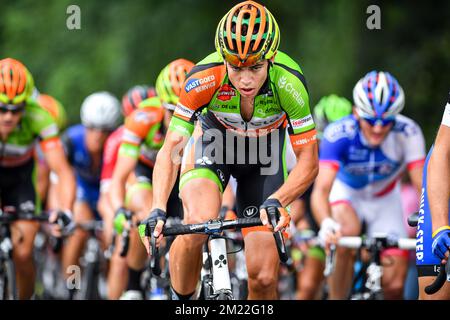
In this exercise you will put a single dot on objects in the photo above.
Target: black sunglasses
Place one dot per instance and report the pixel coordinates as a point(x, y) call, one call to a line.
point(13, 108)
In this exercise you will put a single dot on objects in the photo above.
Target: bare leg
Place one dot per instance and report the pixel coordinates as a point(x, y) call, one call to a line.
point(75, 243)
point(340, 280)
point(262, 265)
point(395, 269)
point(310, 279)
point(23, 256)
point(201, 202)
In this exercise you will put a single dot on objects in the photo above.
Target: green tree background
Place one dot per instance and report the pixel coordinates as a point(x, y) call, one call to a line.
point(123, 43)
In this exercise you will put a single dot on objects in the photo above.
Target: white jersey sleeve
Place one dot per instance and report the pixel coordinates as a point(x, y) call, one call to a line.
point(411, 139)
point(291, 158)
point(413, 142)
point(446, 116)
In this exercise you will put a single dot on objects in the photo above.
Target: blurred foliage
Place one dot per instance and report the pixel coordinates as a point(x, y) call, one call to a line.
point(123, 43)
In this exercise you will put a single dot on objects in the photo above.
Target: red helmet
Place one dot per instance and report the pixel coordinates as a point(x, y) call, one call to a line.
point(134, 96)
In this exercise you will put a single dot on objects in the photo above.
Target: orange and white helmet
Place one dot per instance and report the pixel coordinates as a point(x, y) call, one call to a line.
point(170, 82)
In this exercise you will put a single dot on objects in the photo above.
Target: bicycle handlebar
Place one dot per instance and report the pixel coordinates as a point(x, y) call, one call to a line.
point(413, 220)
point(444, 274)
point(217, 226)
point(359, 242)
point(211, 226)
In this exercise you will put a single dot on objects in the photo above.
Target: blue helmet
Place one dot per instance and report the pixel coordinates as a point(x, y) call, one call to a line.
point(378, 95)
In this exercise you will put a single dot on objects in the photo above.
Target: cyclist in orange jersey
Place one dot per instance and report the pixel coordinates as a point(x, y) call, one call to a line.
point(143, 136)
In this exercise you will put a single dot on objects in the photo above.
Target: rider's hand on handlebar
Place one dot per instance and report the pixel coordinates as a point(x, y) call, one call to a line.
point(282, 216)
point(121, 220)
point(329, 232)
point(441, 243)
point(60, 220)
point(154, 223)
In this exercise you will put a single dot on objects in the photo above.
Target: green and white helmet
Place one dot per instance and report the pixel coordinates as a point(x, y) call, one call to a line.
point(329, 109)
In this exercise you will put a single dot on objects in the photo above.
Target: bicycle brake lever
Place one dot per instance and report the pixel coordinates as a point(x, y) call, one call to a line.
point(329, 261)
point(154, 260)
point(279, 238)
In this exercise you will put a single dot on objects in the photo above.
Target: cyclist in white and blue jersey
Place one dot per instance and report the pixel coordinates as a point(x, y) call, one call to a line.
point(362, 158)
point(83, 144)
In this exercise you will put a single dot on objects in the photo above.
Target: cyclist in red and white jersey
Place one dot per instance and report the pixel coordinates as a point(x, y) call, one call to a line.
point(118, 270)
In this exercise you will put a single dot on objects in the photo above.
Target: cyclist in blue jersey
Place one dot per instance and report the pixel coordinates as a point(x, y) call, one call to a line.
point(83, 144)
point(433, 229)
point(362, 157)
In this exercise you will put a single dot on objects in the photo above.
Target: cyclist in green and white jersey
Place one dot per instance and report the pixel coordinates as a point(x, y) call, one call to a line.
point(250, 92)
point(23, 124)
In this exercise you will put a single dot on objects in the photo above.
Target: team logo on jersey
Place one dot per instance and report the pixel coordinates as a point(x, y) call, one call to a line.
point(204, 161)
point(303, 122)
point(27, 206)
point(420, 228)
point(200, 84)
point(250, 211)
point(143, 117)
point(226, 92)
point(221, 175)
point(289, 88)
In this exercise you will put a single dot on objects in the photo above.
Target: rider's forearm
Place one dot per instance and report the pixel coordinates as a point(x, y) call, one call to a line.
point(300, 178)
point(124, 166)
point(438, 180)
point(117, 193)
point(58, 163)
point(67, 197)
point(164, 176)
point(320, 205)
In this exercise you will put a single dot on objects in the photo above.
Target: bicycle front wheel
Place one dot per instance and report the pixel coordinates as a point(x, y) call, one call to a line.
point(8, 290)
point(224, 296)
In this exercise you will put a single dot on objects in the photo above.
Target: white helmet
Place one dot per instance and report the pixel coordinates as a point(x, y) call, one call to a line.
point(35, 94)
point(100, 110)
point(378, 95)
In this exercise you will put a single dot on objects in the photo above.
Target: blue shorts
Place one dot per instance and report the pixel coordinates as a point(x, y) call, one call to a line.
point(427, 263)
point(89, 193)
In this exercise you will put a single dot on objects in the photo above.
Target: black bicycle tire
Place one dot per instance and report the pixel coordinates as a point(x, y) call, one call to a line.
point(10, 272)
point(90, 291)
point(223, 296)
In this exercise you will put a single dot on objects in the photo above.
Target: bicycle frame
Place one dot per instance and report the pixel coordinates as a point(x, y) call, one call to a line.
point(215, 267)
point(213, 228)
